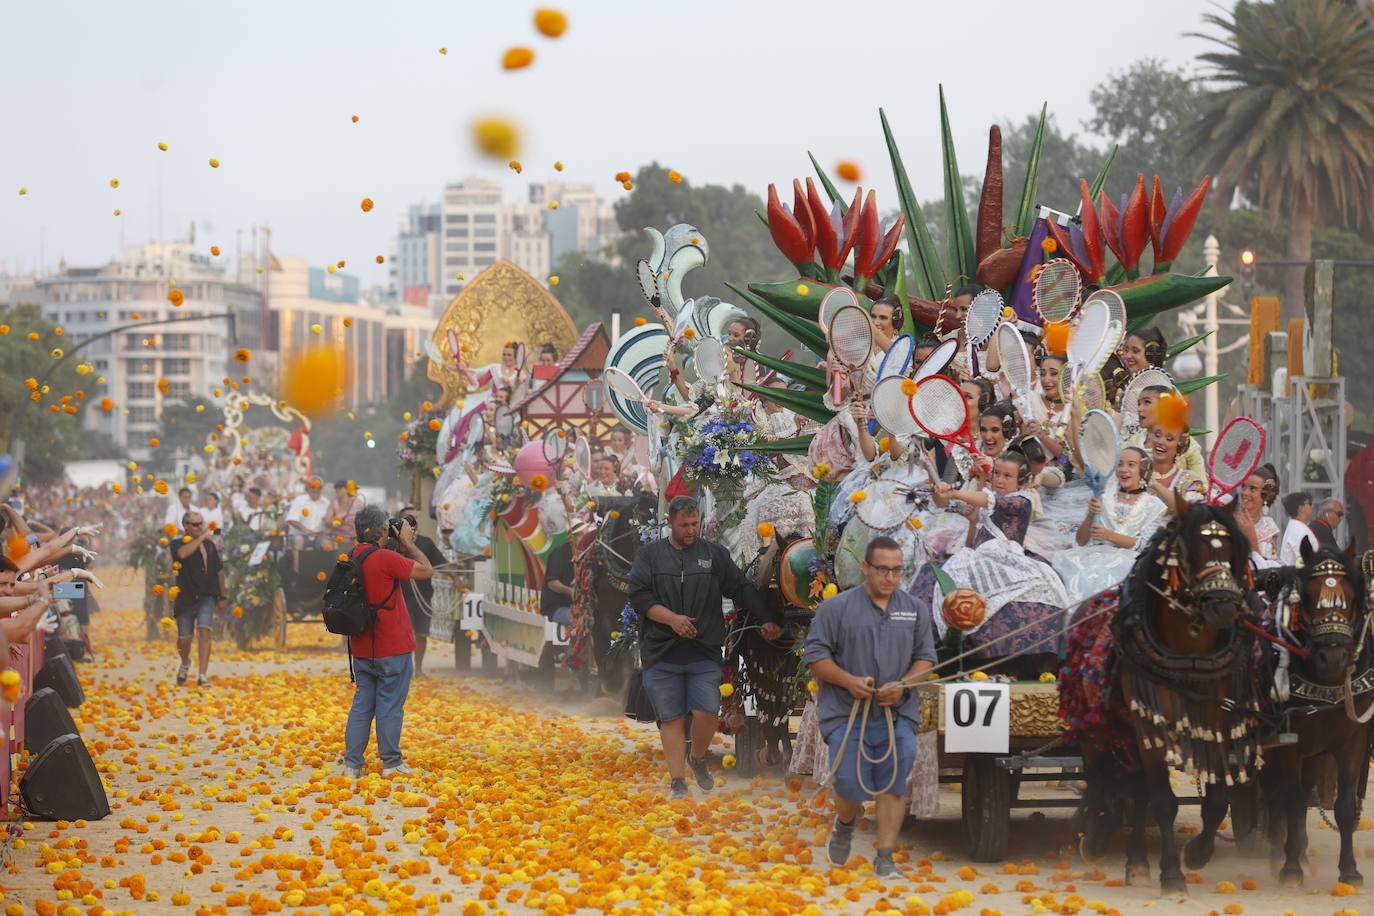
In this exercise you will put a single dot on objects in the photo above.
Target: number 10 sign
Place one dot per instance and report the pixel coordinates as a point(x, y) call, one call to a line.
point(977, 718)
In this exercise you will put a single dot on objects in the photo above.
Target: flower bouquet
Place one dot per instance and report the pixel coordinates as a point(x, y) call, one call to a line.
point(719, 447)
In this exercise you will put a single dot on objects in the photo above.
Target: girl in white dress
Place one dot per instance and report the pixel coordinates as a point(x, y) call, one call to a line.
point(1115, 530)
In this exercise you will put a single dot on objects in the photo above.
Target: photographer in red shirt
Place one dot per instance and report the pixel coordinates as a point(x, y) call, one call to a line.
point(382, 661)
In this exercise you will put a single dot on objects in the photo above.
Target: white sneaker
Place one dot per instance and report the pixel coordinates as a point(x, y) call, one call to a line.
point(202, 681)
point(182, 672)
point(353, 772)
point(399, 769)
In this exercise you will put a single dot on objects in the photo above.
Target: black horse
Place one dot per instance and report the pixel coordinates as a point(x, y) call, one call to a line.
point(603, 566)
point(1179, 691)
point(1329, 624)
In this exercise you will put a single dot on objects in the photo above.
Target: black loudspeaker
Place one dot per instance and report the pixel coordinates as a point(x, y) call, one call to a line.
point(62, 784)
point(54, 645)
point(76, 649)
point(59, 674)
point(46, 719)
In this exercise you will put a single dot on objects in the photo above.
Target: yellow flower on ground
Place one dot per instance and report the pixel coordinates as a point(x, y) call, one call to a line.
point(728, 761)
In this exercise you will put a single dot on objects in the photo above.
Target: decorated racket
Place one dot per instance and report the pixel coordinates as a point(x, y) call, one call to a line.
point(648, 284)
point(622, 384)
point(433, 352)
point(851, 343)
point(891, 408)
point(503, 421)
point(937, 361)
point(1145, 378)
point(1055, 293)
point(1093, 392)
point(582, 457)
point(708, 359)
point(1090, 336)
point(1017, 369)
point(889, 503)
point(838, 298)
point(1116, 306)
point(555, 445)
point(984, 313)
point(1100, 450)
point(939, 408)
point(594, 395)
point(1234, 457)
point(897, 359)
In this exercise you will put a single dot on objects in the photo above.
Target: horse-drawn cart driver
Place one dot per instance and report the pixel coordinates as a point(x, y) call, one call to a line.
point(676, 586)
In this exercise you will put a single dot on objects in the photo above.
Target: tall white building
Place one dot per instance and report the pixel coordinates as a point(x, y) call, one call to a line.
point(474, 226)
point(193, 354)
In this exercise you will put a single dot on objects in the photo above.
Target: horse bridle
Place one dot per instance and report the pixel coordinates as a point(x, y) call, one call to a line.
point(1338, 621)
point(1216, 578)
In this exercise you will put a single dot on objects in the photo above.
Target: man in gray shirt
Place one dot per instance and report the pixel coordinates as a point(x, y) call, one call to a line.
point(862, 638)
point(676, 586)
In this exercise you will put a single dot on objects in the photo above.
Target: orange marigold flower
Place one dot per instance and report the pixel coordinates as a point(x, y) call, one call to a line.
point(242, 355)
point(848, 169)
point(517, 58)
point(550, 23)
point(176, 297)
point(539, 483)
point(367, 204)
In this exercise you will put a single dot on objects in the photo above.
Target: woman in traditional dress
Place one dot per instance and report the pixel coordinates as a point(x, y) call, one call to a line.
point(1170, 478)
point(1257, 493)
point(1023, 594)
point(1115, 530)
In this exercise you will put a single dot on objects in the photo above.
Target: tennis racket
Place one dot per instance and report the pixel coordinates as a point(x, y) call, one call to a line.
point(939, 408)
point(937, 361)
point(897, 359)
point(1116, 306)
point(1145, 378)
point(1018, 370)
point(708, 359)
point(648, 284)
point(622, 384)
point(582, 457)
point(888, 505)
point(1234, 457)
point(1100, 450)
point(555, 445)
point(838, 298)
point(891, 407)
point(1056, 290)
point(984, 313)
point(432, 351)
point(851, 343)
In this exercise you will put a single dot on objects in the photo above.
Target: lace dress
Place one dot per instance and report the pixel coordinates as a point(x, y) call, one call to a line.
point(1094, 568)
point(1021, 589)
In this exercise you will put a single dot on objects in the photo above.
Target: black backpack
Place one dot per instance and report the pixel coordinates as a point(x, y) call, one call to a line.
point(347, 612)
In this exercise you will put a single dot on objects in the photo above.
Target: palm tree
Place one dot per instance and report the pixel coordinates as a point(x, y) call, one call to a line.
point(1290, 122)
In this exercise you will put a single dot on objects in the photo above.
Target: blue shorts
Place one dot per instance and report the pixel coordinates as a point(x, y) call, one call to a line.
point(675, 688)
point(875, 775)
point(199, 615)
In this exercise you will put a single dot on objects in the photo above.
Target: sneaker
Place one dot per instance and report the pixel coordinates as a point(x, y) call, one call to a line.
point(702, 772)
point(679, 789)
point(182, 672)
point(399, 769)
point(840, 838)
point(202, 681)
point(883, 866)
point(353, 772)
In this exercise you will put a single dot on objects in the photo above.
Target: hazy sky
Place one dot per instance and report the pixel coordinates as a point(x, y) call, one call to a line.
point(724, 92)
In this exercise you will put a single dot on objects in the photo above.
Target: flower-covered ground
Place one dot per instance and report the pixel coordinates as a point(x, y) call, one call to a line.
point(230, 800)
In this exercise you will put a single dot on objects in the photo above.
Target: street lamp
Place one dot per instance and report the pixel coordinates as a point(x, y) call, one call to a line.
point(1247, 273)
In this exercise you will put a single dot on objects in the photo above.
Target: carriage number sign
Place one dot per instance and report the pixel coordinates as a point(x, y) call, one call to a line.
point(977, 718)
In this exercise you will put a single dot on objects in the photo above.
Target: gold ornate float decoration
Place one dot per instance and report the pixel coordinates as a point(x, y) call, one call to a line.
point(502, 303)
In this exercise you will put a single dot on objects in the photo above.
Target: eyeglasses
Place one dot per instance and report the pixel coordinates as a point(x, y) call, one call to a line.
point(194, 524)
point(886, 570)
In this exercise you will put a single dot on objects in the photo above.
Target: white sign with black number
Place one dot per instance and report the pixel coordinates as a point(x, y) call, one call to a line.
point(556, 633)
point(977, 718)
point(472, 612)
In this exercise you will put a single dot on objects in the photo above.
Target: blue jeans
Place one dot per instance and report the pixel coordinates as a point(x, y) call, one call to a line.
point(201, 614)
point(380, 693)
point(676, 688)
point(875, 775)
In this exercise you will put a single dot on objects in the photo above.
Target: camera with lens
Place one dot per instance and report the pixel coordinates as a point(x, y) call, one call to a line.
point(393, 525)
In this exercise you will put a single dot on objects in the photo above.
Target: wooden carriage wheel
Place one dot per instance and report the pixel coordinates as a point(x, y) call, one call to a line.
point(988, 791)
point(279, 616)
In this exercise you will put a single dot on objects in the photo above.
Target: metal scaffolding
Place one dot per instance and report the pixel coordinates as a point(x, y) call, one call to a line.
point(1305, 427)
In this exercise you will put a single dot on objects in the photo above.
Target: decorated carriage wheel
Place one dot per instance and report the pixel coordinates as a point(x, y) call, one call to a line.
point(795, 576)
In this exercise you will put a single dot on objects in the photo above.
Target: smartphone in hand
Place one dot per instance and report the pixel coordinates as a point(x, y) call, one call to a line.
point(71, 591)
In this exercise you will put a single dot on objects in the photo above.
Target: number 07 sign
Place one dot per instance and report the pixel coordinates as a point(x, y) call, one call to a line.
point(977, 718)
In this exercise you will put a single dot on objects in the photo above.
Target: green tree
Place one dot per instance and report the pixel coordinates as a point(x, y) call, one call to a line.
point(1064, 158)
point(184, 429)
point(741, 251)
point(1290, 122)
point(50, 437)
point(1144, 110)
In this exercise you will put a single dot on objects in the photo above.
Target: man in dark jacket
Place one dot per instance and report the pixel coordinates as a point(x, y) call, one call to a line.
point(676, 586)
